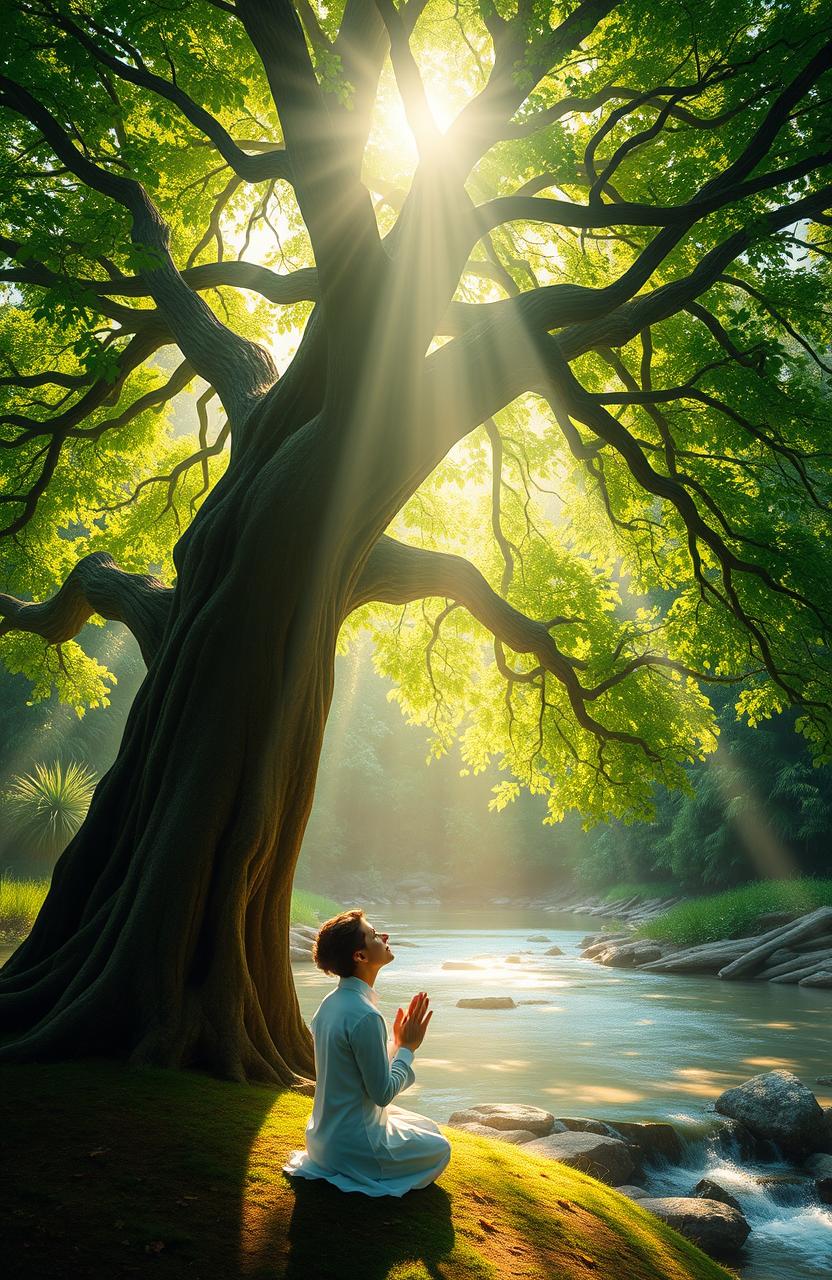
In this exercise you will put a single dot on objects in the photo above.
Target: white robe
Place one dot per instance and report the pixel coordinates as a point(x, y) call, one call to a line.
point(355, 1138)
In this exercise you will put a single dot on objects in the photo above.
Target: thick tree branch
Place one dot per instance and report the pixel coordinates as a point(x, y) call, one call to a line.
point(240, 370)
point(397, 574)
point(95, 585)
point(484, 120)
point(250, 168)
point(336, 207)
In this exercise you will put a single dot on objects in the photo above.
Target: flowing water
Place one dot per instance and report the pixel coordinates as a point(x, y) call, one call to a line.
point(610, 1044)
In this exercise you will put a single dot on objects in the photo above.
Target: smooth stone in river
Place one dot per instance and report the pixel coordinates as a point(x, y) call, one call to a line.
point(707, 1189)
point(508, 1115)
point(517, 1136)
point(715, 1227)
point(580, 1124)
point(653, 1139)
point(607, 1159)
point(486, 1002)
point(777, 1106)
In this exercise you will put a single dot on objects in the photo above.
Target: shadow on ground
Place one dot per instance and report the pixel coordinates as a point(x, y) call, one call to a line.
point(379, 1233)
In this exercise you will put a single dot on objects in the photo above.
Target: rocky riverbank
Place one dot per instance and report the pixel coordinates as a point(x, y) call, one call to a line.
point(797, 950)
point(768, 1120)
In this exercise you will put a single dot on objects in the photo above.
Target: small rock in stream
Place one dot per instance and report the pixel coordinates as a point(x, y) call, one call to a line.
point(707, 1189)
point(486, 1002)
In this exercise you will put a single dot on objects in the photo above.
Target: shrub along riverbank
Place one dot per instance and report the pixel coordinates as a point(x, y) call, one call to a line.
point(21, 900)
point(737, 912)
point(117, 1171)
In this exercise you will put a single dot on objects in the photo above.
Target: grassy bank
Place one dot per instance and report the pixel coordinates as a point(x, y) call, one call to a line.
point(311, 908)
point(735, 914)
point(119, 1173)
point(20, 902)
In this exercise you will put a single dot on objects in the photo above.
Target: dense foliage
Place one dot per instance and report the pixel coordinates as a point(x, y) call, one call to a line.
point(756, 808)
point(652, 190)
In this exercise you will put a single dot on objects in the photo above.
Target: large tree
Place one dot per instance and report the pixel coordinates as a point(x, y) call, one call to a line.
point(515, 313)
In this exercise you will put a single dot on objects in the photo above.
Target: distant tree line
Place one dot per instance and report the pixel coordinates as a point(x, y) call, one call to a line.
point(757, 809)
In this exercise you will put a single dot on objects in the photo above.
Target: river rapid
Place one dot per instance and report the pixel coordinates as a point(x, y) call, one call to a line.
point(610, 1044)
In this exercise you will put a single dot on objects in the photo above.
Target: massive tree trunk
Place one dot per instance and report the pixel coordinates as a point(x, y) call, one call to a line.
point(165, 933)
point(164, 936)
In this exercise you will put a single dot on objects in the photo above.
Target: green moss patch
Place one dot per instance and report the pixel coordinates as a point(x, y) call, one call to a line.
point(115, 1172)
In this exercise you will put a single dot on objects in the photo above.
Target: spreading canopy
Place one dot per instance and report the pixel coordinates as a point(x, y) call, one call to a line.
point(605, 236)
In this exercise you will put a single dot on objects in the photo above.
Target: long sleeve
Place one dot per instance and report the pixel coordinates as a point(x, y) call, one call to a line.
point(382, 1078)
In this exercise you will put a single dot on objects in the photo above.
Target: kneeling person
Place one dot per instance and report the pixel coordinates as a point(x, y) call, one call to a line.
point(355, 1138)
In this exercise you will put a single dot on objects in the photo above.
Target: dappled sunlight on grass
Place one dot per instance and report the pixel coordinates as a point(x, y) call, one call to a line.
point(188, 1172)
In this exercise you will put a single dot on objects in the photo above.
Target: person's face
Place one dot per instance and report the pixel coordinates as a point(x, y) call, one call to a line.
point(376, 951)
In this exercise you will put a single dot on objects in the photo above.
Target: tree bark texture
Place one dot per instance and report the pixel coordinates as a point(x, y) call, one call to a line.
point(164, 937)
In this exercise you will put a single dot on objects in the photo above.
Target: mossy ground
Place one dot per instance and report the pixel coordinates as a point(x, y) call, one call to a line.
point(111, 1172)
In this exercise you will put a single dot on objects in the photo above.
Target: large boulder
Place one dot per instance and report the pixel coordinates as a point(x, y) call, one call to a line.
point(820, 1167)
point(607, 1159)
point(517, 1136)
point(653, 1139)
point(553, 951)
point(486, 1002)
point(578, 1124)
point(715, 1227)
point(707, 1189)
point(537, 937)
point(777, 1106)
point(508, 1115)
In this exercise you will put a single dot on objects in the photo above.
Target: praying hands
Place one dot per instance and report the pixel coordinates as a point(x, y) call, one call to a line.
point(409, 1028)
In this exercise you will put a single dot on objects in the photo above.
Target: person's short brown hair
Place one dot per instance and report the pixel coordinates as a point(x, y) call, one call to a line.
point(337, 939)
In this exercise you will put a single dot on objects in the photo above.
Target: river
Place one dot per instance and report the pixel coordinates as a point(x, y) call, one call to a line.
point(610, 1044)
